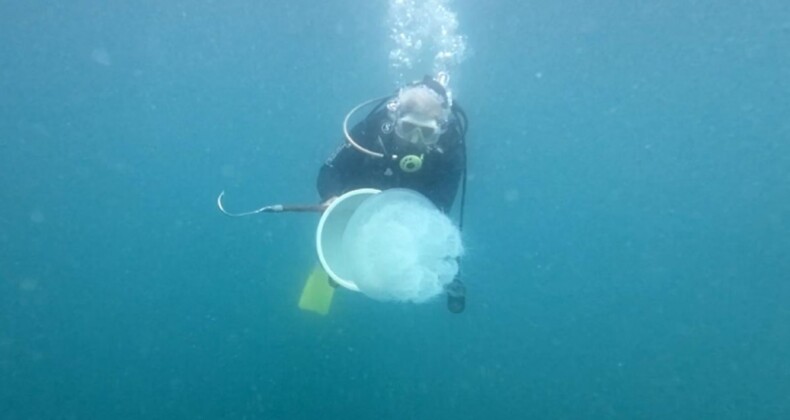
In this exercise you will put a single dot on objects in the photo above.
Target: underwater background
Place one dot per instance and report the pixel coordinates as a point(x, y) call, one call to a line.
point(627, 220)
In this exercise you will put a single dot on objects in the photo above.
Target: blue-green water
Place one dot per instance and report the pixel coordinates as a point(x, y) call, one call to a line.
point(627, 221)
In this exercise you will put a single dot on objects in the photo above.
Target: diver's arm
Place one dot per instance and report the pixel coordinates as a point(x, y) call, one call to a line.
point(339, 171)
point(333, 175)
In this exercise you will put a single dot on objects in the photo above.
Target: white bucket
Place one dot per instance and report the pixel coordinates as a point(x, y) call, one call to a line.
point(329, 235)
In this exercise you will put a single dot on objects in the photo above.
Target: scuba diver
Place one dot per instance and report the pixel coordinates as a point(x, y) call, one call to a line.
point(414, 139)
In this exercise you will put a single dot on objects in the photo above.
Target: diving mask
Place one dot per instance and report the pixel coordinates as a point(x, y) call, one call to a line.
point(416, 131)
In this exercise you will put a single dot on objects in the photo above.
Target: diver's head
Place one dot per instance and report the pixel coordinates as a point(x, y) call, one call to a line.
point(420, 112)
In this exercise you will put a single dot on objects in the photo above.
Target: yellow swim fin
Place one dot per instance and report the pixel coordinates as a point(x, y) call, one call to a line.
point(317, 292)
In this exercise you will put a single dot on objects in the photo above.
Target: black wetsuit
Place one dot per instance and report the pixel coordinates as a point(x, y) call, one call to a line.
point(349, 169)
